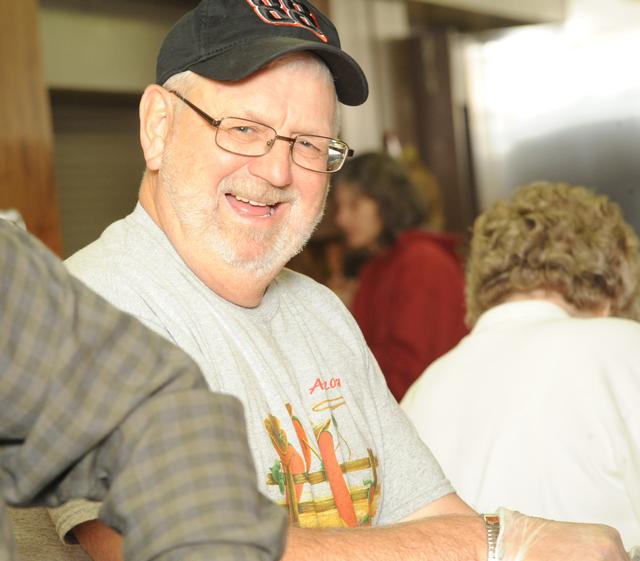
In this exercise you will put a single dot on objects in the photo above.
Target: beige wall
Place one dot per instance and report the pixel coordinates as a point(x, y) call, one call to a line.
point(364, 26)
point(526, 10)
point(101, 51)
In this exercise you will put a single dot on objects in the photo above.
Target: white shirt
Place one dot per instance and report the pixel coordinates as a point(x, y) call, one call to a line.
point(539, 412)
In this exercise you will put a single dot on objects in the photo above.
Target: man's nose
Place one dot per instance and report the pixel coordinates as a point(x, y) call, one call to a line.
point(275, 166)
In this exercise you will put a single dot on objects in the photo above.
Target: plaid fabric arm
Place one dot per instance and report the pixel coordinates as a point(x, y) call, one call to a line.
point(94, 404)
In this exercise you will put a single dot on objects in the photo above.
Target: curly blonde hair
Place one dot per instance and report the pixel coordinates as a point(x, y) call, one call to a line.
point(554, 237)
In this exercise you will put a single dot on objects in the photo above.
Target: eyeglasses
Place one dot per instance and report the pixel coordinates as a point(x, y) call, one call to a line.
point(249, 138)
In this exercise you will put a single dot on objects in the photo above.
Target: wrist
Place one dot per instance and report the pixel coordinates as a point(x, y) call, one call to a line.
point(492, 527)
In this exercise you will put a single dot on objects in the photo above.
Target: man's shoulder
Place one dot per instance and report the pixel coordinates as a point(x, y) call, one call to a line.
point(121, 245)
point(118, 266)
point(95, 256)
point(96, 264)
point(301, 285)
point(310, 292)
point(317, 301)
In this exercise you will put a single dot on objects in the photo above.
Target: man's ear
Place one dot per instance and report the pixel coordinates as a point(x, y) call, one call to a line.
point(156, 113)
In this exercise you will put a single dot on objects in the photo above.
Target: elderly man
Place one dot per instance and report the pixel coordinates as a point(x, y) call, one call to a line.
point(94, 404)
point(239, 138)
point(547, 271)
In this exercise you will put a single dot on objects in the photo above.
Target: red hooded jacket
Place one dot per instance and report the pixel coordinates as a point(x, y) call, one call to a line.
point(410, 305)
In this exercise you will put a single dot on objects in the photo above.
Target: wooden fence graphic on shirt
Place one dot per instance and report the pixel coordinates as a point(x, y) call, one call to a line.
point(348, 507)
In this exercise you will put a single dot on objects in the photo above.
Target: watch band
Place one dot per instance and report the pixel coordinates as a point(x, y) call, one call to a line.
point(492, 524)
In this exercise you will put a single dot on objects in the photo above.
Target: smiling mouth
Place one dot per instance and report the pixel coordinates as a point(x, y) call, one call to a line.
point(250, 207)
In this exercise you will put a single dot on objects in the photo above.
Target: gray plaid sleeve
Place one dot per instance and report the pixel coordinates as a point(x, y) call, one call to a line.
point(94, 404)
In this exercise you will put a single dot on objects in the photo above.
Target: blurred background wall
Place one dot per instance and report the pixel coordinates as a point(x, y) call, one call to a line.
point(26, 141)
point(558, 102)
point(489, 93)
point(495, 94)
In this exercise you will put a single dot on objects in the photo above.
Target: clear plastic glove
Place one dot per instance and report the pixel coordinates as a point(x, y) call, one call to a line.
point(525, 538)
point(634, 554)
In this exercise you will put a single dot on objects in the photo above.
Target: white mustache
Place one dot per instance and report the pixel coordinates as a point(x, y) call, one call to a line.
point(255, 190)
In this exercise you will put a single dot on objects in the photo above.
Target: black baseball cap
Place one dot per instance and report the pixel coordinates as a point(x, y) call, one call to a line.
point(231, 39)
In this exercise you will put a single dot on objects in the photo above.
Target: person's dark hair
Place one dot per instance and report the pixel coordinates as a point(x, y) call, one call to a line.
point(378, 176)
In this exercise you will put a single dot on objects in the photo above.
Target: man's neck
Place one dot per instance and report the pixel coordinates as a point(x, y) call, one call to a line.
point(236, 286)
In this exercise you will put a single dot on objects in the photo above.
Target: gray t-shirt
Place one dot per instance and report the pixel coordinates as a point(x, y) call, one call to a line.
point(322, 424)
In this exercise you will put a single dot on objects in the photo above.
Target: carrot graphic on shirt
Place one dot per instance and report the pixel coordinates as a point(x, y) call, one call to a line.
point(333, 472)
point(331, 502)
point(290, 458)
point(302, 436)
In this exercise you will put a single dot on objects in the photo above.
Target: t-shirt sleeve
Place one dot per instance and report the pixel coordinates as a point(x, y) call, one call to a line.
point(412, 477)
point(66, 517)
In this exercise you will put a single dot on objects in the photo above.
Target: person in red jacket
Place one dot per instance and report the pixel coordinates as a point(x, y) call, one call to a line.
point(409, 300)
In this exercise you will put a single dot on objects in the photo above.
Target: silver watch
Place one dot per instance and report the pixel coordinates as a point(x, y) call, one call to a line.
point(492, 524)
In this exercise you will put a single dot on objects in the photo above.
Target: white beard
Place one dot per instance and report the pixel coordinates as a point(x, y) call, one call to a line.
point(277, 247)
point(253, 251)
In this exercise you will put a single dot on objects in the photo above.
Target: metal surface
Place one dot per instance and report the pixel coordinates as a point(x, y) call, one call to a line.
point(559, 103)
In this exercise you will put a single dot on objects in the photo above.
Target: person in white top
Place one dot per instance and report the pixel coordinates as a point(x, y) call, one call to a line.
point(538, 408)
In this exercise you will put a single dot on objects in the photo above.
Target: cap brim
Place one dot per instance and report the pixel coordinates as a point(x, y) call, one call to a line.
point(244, 59)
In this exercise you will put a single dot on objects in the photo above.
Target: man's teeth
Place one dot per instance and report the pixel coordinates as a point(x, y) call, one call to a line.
point(252, 203)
